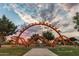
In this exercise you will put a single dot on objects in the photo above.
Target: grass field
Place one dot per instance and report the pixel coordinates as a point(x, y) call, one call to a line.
point(13, 51)
point(66, 50)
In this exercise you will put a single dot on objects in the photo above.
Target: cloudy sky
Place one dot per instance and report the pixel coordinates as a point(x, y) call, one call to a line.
point(58, 14)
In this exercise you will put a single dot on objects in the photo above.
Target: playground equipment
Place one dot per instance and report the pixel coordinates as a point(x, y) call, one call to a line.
point(61, 37)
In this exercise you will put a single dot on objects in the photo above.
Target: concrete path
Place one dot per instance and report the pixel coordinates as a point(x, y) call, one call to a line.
point(40, 52)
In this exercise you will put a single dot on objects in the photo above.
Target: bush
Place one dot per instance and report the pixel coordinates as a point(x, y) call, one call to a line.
point(48, 35)
point(6, 43)
point(73, 39)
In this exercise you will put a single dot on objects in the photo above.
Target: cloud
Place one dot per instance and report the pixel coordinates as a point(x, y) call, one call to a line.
point(24, 16)
point(69, 5)
point(58, 14)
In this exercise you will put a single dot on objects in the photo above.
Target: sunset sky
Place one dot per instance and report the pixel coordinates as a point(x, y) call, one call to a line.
point(58, 14)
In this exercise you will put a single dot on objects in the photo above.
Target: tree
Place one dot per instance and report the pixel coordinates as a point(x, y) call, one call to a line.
point(35, 37)
point(48, 35)
point(6, 28)
point(76, 21)
point(73, 39)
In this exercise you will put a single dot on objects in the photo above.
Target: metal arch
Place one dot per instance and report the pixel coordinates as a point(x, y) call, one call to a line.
point(40, 23)
point(61, 37)
point(44, 24)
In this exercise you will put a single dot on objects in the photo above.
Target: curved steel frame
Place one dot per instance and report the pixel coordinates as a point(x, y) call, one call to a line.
point(44, 24)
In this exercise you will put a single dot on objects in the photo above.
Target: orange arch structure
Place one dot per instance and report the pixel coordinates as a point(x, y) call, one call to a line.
point(65, 41)
point(41, 23)
point(44, 24)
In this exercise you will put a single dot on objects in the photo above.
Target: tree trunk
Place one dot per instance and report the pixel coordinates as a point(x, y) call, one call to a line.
point(2, 39)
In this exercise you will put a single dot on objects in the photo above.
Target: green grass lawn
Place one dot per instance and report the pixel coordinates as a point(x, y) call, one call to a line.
point(13, 51)
point(66, 51)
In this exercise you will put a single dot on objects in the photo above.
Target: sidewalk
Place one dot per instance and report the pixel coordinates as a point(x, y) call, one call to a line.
point(40, 52)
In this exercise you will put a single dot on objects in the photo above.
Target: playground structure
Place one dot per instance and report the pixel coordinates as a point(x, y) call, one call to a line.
point(62, 38)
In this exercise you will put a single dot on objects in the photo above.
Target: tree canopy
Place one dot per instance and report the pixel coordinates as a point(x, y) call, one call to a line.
point(76, 21)
point(7, 27)
point(48, 35)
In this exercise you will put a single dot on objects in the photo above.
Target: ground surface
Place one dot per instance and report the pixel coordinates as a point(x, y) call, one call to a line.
point(13, 51)
point(66, 50)
point(59, 50)
point(39, 52)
